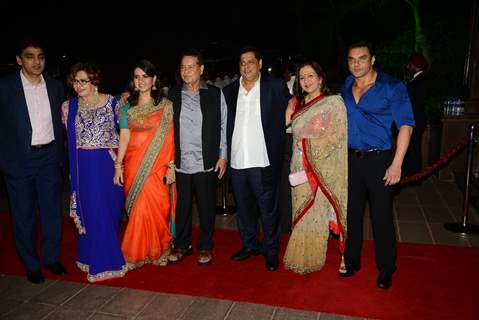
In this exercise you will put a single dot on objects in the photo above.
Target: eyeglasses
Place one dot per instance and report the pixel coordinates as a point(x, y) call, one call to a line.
point(80, 82)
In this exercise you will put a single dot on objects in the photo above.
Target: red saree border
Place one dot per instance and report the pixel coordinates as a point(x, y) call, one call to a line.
point(301, 108)
point(315, 182)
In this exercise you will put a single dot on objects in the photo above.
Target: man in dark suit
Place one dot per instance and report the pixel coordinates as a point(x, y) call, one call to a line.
point(417, 91)
point(255, 136)
point(31, 158)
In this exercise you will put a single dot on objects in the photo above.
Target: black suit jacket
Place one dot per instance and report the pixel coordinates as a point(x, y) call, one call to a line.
point(15, 127)
point(274, 97)
point(417, 90)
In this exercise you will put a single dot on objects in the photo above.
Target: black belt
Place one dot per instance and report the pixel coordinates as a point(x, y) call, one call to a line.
point(38, 147)
point(364, 153)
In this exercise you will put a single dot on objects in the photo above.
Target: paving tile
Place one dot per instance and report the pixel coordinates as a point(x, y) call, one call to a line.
point(292, 314)
point(409, 213)
point(250, 311)
point(330, 316)
point(29, 311)
point(414, 232)
point(166, 307)
point(91, 298)
point(207, 309)
point(59, 292)
point(446, 237)
point(18, 288)
point(67, 314)
point(7, 305)
point(105, 316)
point(432, 199)
point(128, 302)
point(438, 214)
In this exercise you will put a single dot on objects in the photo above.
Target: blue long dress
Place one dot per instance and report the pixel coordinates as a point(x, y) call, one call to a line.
point(96, 203)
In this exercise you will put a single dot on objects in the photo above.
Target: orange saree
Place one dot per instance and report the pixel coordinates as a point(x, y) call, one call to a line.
point(149, 201)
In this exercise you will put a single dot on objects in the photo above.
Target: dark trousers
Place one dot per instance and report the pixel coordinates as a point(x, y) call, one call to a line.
point(413, 160)
point(285, 207)
point(365, 181)
point(40, 184)
point(256, 193)
point(205, 186)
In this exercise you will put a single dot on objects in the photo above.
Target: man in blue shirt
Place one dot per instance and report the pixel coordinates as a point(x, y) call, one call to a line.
point(374, 101)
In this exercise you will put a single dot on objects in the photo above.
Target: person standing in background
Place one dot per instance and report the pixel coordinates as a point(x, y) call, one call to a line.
point(417, 89)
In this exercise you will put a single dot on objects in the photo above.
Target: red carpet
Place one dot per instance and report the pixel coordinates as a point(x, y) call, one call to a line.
point(432, 282)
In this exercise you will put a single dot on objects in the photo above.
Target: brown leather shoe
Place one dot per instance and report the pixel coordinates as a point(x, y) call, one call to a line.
point(177, 254)
point(204, 257)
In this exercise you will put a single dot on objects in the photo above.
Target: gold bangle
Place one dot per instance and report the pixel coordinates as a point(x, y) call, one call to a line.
point(171, 165)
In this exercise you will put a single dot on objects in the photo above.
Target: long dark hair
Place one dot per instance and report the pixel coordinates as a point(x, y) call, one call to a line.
point(298, 92)
point(150, 69)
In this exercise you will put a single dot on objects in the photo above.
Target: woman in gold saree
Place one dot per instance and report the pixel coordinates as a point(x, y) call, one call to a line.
point(145, 165)
point(319, 156)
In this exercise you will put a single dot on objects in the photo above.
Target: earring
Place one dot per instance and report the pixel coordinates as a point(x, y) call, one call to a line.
point(154, 87)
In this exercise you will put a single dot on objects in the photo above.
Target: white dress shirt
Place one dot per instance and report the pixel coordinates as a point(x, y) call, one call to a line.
point(248, 147)
point(39, 111)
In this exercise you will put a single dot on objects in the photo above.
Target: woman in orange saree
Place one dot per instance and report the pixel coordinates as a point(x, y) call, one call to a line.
point(145, 166)
point(319, 156)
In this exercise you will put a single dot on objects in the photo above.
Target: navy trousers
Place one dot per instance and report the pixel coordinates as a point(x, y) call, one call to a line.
point(40, 184)
point(256, 193)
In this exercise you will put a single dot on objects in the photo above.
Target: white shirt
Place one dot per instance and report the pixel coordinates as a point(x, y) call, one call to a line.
point(39, 111)
point(248, 147)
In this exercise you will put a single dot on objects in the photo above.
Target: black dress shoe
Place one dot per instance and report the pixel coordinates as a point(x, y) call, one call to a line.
point(56, 268)
point(350, 270)
point(35, 276)
point(245, 253)
point(384, 280)
point(271, 262)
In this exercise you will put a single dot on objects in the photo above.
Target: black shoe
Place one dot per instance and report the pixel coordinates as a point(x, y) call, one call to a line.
point(271, 262)
point(35, 276)
point(384, 280)
point(350, 270)
point(245, 253)
point(56, 268)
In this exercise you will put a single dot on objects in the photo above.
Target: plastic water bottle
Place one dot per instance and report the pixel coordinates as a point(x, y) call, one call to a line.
point(460, 106)
point(447, 106)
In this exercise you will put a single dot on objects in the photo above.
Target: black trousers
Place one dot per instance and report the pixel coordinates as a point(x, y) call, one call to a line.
point(365, 181)
point(40, 184)
point(256, 193)
point(205, 187)
point(413, 160)
point(285, 206)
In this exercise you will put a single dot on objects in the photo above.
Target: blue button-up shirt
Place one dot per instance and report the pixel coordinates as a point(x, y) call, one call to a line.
point(370, 120)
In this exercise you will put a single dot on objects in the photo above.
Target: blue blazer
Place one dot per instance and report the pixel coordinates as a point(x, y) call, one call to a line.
point(15, 127)
point(274, 97)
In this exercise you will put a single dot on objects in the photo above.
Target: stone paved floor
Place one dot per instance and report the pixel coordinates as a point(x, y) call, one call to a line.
point(420, 213)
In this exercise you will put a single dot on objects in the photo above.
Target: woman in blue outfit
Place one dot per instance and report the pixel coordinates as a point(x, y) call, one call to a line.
point(96, 203)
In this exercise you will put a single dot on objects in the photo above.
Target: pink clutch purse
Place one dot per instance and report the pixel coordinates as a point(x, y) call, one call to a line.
point(297, 178)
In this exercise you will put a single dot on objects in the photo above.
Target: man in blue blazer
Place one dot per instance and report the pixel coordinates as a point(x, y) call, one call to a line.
point(31, 144)
point(255, 137)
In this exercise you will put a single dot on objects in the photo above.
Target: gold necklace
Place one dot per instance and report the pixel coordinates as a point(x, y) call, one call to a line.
point(83, 104)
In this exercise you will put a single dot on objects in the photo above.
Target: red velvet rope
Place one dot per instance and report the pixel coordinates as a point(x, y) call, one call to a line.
point(430, 168)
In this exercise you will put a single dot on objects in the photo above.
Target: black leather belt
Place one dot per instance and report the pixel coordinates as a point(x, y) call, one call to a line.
point(365, 153)
point(38, 147)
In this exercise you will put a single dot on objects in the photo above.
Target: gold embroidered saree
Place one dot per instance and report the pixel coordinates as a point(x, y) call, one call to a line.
point(320, 148)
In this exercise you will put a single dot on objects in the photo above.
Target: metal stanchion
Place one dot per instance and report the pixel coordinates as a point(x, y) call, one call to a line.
point(224, 209)
point(464, 228)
